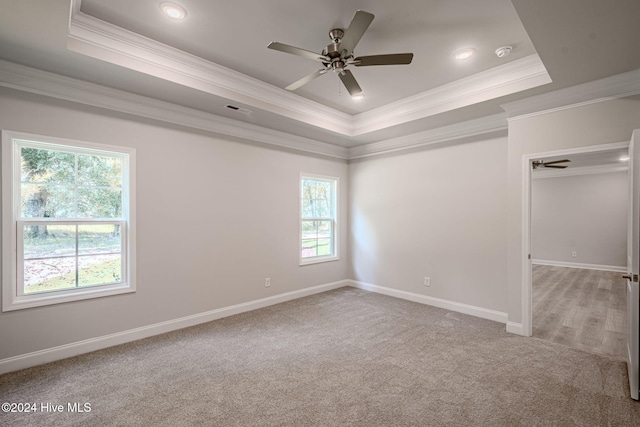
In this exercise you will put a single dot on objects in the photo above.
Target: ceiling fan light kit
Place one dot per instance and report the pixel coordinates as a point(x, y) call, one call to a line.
point(338, 55)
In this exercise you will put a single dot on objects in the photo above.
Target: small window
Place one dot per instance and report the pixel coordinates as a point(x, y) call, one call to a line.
point(318, 219)
point(67, 220)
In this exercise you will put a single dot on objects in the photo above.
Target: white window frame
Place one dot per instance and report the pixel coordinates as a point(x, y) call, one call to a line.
point(13, 296)
point(335, 185)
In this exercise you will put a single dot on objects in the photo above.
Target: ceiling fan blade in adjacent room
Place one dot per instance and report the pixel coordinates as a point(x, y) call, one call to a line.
point(352, 35)
point(350, 83)
point(557, 161)
point(297, 51)
point(391, 59)
point(306, 79)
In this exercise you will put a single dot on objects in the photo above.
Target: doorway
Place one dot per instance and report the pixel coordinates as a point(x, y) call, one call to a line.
point(579, 212)
point(572, 294)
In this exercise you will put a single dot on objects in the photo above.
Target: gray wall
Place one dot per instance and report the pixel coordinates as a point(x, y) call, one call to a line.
point(585, 213)
point(214, 218)
point(437, 212)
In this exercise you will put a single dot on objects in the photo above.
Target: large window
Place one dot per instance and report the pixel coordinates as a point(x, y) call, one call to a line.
point(67, 210)
point(318, 209)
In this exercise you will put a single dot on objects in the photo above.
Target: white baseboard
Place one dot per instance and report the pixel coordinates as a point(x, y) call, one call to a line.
point(73, 349)
point(472, 310)
point(579, 265)
point(515, 328)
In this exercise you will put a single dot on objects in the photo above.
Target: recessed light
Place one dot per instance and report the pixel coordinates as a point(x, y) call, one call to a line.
point(624, 159)
point(464, 53)
point(358, 97)
point(173, 11)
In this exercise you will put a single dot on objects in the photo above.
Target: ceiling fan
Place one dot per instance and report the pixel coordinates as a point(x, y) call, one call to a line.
point(339, 54)
point(537, 164)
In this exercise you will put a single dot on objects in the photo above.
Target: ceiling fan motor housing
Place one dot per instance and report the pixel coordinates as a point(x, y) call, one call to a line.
point(334, 51)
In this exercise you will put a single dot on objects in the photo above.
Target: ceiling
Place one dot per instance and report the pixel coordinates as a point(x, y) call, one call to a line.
point(217, 56)
point(235, 34)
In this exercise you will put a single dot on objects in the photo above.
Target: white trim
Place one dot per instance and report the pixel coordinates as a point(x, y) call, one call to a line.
point(585, 170)
point(93, 37)
point(458, 307)
point(579, 150)
point(605, 89)
point(102, 40)
point(14, 299)
point(619, 269)
point(73, 349)
point(526, 289)
point(515, 328)
point(526, 307)
point(32, 80)
point(335, 199)
point(40, 82)
point(9, 225)
point(512, 77)
point(496, 123)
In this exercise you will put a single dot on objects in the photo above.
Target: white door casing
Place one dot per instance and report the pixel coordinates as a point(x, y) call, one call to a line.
point(526, 328)
point(633, 264)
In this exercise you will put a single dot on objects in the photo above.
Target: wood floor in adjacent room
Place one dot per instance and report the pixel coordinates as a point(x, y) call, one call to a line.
point(583, 309)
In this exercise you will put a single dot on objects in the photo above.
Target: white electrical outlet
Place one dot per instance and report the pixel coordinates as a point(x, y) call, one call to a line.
point(267, 282)
point(427, 281)
point(574, 254)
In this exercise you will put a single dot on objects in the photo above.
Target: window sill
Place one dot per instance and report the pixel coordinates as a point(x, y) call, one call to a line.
point(318, 260)
point(49, 298)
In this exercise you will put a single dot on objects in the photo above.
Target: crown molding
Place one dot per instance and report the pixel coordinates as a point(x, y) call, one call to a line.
point(93, 37)
point(101, 40)
point(585, 170)
point(512, 77)
point(32, 80)
point(470, 128)
point(40, 82)
point(605, 89)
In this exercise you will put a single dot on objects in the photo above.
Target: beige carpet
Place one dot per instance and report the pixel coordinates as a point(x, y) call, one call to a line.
point(345, 357)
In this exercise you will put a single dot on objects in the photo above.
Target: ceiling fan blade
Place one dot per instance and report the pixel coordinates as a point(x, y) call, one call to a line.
point(297, 51)
point(557, 161)
point(554, 166)
point(352, 35)
point(391, 59)
point(306, 79)
point(350, 83)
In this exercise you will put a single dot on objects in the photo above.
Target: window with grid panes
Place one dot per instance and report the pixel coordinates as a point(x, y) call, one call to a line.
point(67, 206)
point(318, 231)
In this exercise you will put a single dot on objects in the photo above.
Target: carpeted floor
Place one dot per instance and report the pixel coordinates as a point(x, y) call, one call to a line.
point(345, 357)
